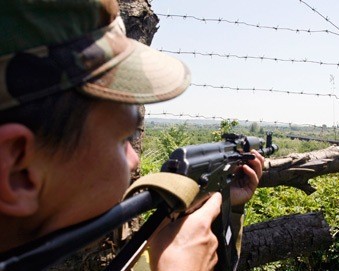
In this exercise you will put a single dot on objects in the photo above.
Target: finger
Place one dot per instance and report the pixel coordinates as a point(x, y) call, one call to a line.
point(211, 207)
point(259, 157)
point(213, 261)
point(213, 247)
point(257, 164)
point(253, 178)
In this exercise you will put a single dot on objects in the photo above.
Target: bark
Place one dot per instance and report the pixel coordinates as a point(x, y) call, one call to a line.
point(297, 169)
point(282, 238)
point(140, 21)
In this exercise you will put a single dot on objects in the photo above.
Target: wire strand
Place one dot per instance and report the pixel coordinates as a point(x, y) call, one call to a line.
point(266, 90)
point(317, 12)
point(224, 55)
point(258, 26)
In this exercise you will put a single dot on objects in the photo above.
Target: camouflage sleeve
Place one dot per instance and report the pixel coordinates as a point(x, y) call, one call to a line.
point(143, 263)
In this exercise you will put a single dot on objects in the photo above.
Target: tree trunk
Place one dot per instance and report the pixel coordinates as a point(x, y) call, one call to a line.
point(282, 238)
point(140, 21)
point(297, 168)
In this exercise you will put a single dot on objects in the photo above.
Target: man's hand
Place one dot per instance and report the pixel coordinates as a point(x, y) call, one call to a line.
point(188, 243)
point(247, 180)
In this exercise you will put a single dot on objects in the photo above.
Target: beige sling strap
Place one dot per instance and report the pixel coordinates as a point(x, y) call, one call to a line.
point(178, 191)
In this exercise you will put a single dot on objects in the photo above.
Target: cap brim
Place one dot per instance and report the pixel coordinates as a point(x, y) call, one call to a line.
point(144, 76)
point(104, 63)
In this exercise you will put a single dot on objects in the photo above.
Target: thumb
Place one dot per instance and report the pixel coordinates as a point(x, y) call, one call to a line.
point(211, 207)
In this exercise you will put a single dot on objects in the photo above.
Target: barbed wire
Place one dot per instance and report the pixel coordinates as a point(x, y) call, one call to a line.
point(199, 116)
point(258, 26)
point(262, 58)
point(253, 89)
point(223, 55)
point(314, 10)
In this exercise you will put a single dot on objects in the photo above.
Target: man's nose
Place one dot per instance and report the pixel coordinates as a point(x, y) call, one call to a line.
point(132, 157)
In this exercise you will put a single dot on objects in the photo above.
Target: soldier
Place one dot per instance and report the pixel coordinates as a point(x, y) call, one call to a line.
point(70, 81)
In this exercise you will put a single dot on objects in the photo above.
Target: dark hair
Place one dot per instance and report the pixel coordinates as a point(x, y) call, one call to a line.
point(56, 120)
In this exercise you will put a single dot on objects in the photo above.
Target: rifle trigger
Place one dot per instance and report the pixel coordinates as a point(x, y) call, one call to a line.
point(246, 156)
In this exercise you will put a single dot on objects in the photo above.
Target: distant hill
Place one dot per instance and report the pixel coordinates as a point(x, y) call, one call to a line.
point(204, 121)
point(181, 121)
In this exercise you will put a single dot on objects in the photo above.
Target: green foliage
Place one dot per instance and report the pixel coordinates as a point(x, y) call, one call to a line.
point(151, 162)
point(268, 203)
point(226, 126)
point(288, 146)
point(173, 138)
point(254, 128)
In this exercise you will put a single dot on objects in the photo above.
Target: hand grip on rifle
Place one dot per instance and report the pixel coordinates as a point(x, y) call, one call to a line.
point(213, 167)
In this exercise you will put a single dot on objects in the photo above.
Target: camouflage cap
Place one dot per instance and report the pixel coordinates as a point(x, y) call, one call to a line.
point(49, 46)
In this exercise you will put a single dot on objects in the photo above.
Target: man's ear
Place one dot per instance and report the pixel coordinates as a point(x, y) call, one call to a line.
point(18, 190)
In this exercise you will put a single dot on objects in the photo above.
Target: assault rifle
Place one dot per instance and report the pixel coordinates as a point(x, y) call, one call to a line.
point(211, 165)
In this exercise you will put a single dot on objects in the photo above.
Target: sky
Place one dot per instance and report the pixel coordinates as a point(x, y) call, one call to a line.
point(179, 34)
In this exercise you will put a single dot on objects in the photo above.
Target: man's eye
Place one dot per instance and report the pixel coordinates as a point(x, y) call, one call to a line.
point(136, 135)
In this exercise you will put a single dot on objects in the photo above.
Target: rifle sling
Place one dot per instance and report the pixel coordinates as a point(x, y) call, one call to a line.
point(178, 191)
